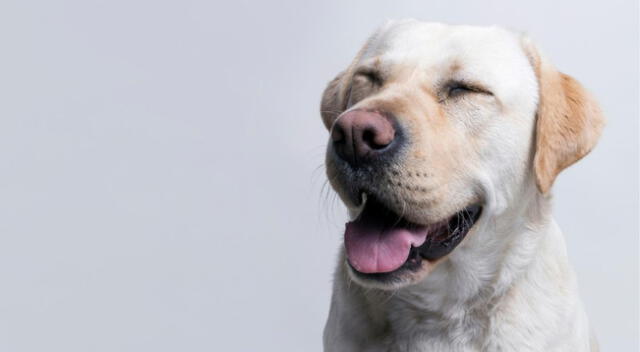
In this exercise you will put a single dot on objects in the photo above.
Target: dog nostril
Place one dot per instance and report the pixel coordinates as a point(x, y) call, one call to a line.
point(337, 135)
point(373, 139)
point(368, 136)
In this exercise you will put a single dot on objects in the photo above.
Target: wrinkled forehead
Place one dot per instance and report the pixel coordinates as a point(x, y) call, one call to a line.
point(491, 53)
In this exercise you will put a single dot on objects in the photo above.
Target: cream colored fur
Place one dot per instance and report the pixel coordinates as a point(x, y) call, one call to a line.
point(509, 285)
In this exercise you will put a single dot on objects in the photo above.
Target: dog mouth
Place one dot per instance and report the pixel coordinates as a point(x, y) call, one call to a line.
point(379, 241)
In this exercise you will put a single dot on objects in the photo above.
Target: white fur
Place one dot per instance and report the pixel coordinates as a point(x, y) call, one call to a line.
point(508, 286)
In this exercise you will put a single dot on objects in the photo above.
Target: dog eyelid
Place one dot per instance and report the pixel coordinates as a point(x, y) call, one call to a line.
point(371, 75)
point(457, 88)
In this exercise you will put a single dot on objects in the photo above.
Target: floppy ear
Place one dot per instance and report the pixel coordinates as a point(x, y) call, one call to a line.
point(569, 121)
point(333, 101)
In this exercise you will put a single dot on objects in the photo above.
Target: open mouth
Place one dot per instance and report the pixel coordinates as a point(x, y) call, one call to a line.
point(381, 242)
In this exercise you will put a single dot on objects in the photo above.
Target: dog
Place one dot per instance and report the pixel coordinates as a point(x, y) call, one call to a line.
point(444, 145)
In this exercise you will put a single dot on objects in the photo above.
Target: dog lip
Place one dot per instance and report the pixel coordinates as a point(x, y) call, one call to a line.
point(441, 241)
point(452, 233)
point(377, 240)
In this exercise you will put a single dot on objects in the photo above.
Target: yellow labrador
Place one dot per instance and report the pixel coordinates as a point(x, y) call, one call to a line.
point(444, 144)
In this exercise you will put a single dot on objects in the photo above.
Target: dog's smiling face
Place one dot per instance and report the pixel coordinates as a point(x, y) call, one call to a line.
point(432, 130)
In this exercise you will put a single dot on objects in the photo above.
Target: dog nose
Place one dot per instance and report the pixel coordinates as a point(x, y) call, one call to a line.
point(360, 136)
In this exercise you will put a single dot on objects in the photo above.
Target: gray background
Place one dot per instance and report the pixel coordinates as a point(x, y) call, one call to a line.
point(161, 180)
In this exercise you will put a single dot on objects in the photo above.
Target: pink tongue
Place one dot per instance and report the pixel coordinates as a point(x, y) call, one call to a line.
point(371, 248)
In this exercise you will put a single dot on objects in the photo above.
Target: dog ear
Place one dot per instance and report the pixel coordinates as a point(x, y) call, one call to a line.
point(333, 100)
point(568, 122)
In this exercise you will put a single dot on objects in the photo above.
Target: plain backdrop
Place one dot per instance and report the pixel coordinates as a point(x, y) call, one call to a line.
point(161, 180)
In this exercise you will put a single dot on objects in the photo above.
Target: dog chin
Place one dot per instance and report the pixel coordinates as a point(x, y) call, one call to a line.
point(394, 280)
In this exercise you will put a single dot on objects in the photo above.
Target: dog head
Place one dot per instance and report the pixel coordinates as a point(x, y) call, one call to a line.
point(435, 127)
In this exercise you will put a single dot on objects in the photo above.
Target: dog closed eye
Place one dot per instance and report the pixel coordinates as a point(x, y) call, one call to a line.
point(456, 89)
point(364, 83)
point(370, 76)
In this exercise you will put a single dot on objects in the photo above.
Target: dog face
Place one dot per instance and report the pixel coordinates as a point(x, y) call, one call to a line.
point(434, 127)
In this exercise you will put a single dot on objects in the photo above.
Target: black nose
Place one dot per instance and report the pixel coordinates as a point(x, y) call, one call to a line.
point(360, 136)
